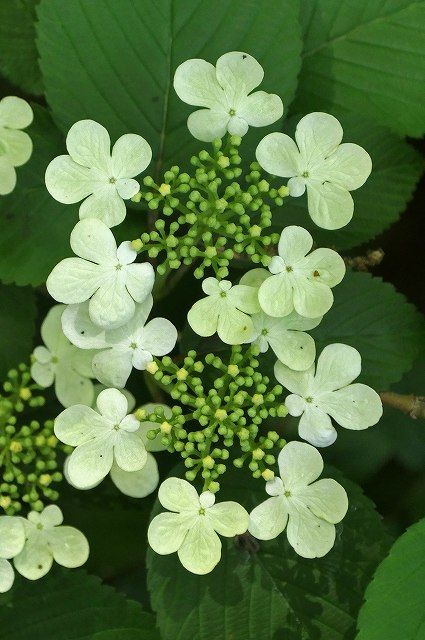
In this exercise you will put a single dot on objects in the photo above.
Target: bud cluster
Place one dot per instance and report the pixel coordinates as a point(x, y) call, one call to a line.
point(229, 400)
point(28, 449)
point(207, 218)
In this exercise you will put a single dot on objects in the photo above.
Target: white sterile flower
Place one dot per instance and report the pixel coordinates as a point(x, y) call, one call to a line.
point(15, 145)
point(223, 91)
point(224, 310)
point(328, 169)
point(132, 345)
point(100, 439)
point(102, 273)
point(138, 484)
point(192, 529)
point(62, 363)
point(12, 540)
point(318, 397)
point(91, 170)
point(47, 540)
point(309, 510)
point(300, 281)
point(286, 338)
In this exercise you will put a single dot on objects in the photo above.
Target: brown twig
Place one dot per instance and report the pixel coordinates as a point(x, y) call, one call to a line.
point(411, 405)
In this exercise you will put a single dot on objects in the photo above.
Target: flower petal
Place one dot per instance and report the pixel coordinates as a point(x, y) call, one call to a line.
point(129, 451)
point(318, 135)
point(78, 424)
point(228, 518)
point(112, 405)
point(237, 126)
point(200, 551)
point(35, 559)
point(323, 265)
point(15, 113)
point(244, 298)
point(234, 327)
point(296, 186)
point(79, 328)
point(330, 206)
point(326, 499)
point(74, 280)
point(7, 575)
point(158, 337)
point(51, 516)
point(90, 462)
point(92, 240)
point(43, 373)
point(136, 484)
point(167, 532)
point(299, 382)
point(140, 280)
point(67, 181)
point(105, 205)
point(278, 154)
point(296, 349)
point(299, 464)
point(195, 83)
point(275, 295)
point(354, 407)
point(7, 176)
point(337, 366)
point(12, 536)
point(176, 494)
point(316, 427)
point(238, 74)
point(311, 298)
point(349, 166)
point(294, 243)
point(69, 546)
point(88, 143)
point(18, 146)
point(71, 387)
point(310, 537)
point(112, 367)
point(112, 305)
point(206, 124)
point(127, 188)
point(203, 316)
point(269, 519)
point(131, 154)
point(261, 109)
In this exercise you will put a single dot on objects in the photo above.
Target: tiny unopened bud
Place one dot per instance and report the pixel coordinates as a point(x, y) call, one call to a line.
point(136, 244)
point(152, 367)
point(24, 393)
point(166, 427)
point(15, 447)
point(268, 474)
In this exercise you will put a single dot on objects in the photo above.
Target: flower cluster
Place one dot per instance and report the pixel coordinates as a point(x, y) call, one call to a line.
point(208, 220)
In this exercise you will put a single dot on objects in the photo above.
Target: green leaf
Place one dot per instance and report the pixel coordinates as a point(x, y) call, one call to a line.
point(395, 599)
point(116, 64)
point(367, 57)
point(397, 168)
point(373, 317)
point(17, 326)
point(35, 228)
point(263, 589)
point(18, 60)
point(71, 605)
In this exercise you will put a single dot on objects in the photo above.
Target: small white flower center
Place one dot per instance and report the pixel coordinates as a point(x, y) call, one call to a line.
point(118, 266)
point(116, 427)
point(264, 332)
point(223, 294)
point(112, 180)
point(287, 494)
point(232, 112)
point(289, 269)
point(201, 511)
point(309, 399)
point(133, 345)
point(305, 174)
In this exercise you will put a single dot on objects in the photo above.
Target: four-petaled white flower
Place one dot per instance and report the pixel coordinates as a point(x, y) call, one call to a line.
point(138, 484)
point(62, 363)
point(192, 529)
point(132, 345)
point(15, 145)
point(91, 170)
point(328, 392)
point(102, 273)
point(286, 338)
point(46, 540)
point(223, 91)
point(100, 439)
point(224, 310)
point(309, 510)
point(12, 540)
point(300, 281)
point(328, 169)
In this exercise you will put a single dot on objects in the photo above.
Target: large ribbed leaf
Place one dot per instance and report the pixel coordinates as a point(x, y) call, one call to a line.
point(114, 61)
point(395, 599)
point(365, 56)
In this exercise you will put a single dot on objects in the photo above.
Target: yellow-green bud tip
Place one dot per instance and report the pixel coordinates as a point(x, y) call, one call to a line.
point(152, 367)
point(255, 231)
point(137, 197)
point(283, 191)
point(136, 244)
point(210, 252)
point(257, 399)
point(182, 374)
point(165, 427)
point(164, 189)
point(233, 370)
point(15, 447)
point(5, 501)
point(214, 487)
point(220, 414)
point(223, 162)
point(208, 462)
point(268, 474)
point(140, 414)
point(257, 454)
point(45, 479)
point(24, 393)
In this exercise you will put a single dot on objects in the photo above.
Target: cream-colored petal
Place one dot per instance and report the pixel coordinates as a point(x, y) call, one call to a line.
point(311, 537)
point(330, 206)
point(136, 484)
point(79, 424)
point(275, 295)
point(326, 499)
point(299, 382)
point(294, 243)
point(140, 279)
point(88, 143)
point(316, 427)
point(195, 83)
point(261, 109)
point(129, 451)
point(7, 176)
point(318, 135)
point(337, 366)
point(227, 518)
point(17, 144)
point(167, 532)
point(112, 367)
point(354, 407)
point(238, 74)
point(12, 536)
point(200, 551)
point(69, 546)
point(278, 154)
point(299, 464)
point(269, 519)
point(90, 462)
point(15, 113)
point(208, 124)
point(36, 559)
point(105, 205)
point(131, 154)
point(67, 181)
point(349, 166)
point(7, 575)
point(176, 494)
point(74, 280)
